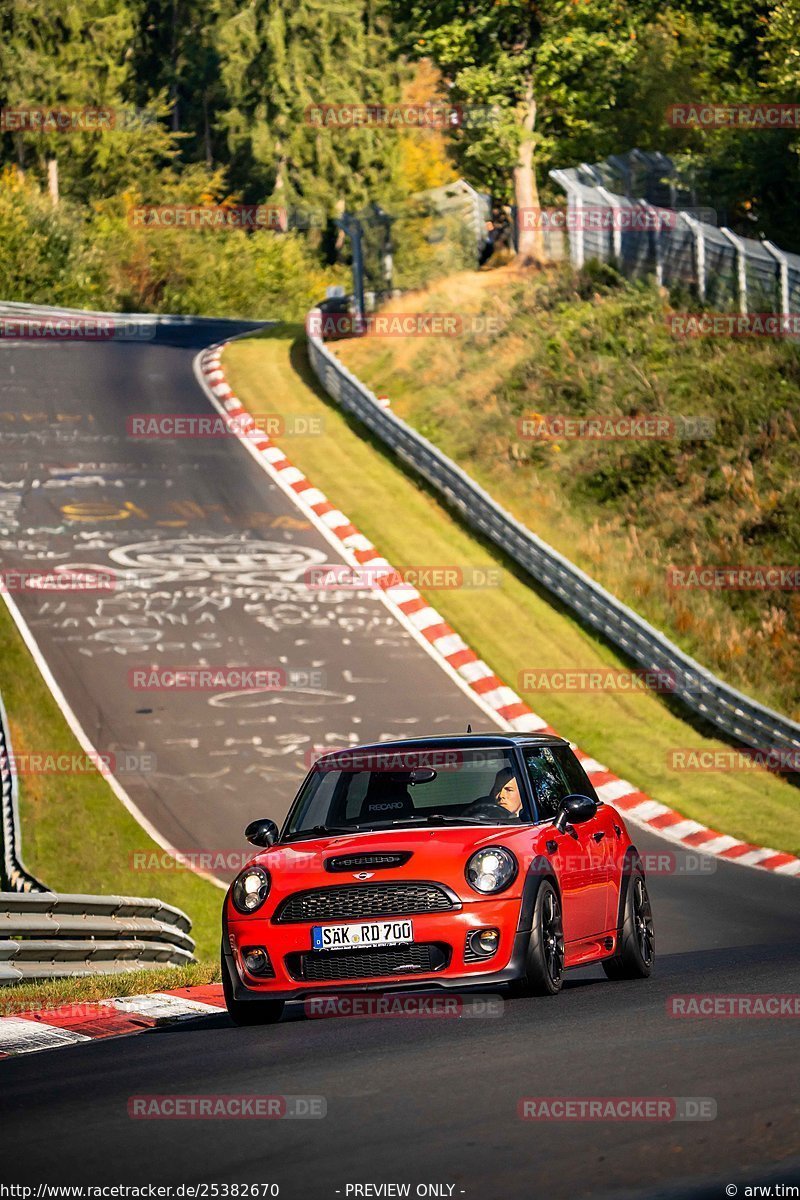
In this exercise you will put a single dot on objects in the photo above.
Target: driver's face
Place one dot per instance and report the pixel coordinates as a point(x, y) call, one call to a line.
point(509, 798)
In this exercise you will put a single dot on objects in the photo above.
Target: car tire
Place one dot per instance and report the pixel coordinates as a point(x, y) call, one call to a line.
point(248, 1012)
point(544, 960)
point(636, 946)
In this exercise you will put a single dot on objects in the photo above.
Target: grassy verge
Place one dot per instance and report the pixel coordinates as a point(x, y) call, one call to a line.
point(594, 345)
point(512, 626)
point(53, 993)
point(76, 836)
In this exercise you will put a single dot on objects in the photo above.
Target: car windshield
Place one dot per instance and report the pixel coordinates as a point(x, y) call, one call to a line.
point(359, 790)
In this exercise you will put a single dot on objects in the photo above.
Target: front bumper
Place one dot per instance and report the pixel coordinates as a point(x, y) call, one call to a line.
point(450, 930)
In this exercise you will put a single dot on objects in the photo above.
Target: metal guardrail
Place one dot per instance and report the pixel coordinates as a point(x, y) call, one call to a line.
point(46, 935)
point(737, 716)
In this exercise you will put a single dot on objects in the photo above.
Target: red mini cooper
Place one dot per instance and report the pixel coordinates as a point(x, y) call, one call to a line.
point(435, 863)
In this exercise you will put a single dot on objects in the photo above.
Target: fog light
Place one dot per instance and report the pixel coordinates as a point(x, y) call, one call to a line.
point(256, 960)
point(484, 942)
point(488, 940)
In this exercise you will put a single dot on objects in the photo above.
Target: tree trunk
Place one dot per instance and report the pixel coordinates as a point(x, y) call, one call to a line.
point(530, 240)
point(52, 180)
point(207, 133)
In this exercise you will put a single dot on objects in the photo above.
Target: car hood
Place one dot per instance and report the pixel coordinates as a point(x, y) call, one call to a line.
point(434, 854)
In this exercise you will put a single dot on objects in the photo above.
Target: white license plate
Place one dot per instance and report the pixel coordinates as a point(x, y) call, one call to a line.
point(364, 934)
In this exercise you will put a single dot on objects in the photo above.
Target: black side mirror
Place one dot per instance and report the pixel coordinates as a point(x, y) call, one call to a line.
point(574, 810)
point(262, 833)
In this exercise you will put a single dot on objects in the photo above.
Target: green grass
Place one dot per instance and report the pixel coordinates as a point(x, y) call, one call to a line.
point(76, 836)
point(53, 993)
point(593, 344)
point(513, 627)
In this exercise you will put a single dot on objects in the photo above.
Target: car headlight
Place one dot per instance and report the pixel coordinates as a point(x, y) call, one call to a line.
point(250, 889)
point(491, 869)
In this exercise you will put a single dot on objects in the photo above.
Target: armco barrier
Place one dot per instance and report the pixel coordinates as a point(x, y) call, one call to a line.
point(45, 935)
point(734, 714)
point(48, 935)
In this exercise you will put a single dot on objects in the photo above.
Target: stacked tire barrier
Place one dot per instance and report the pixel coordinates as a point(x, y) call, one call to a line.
point(736, 716)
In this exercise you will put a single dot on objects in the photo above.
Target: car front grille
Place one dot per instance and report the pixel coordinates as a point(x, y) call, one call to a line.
point(328, 966)
point(364, 900)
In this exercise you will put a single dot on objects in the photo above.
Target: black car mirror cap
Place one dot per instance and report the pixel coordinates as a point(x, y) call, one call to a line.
point(574, 810)
point(262, 832)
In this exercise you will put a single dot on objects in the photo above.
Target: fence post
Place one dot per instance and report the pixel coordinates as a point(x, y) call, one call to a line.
point(658, 248)
point(623, 169)
point(783, 274)
point(616, 231)
point(574, 208)
point(741, 266)
point(699, 254)
point(352, 228)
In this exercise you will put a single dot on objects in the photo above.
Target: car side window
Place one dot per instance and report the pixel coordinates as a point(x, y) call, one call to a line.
point(548, 781)
point(578, 780)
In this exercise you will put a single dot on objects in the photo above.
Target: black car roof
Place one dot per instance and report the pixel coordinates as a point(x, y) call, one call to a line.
point(456, 741)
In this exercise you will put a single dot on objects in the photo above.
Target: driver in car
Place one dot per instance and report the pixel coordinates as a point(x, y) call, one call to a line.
point(504, 802)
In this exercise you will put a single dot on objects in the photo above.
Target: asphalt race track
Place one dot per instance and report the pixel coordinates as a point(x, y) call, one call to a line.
point(409, 1101)
point(211, 557)
point(435, 1100)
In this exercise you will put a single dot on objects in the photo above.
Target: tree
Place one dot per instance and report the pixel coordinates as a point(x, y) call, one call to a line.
point(79, 58)
point(176, 56)
point(549, 72)
point(281, 59)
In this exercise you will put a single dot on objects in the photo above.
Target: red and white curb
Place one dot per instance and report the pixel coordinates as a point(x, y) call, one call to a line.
point(49, 1029)
point(454, 655)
